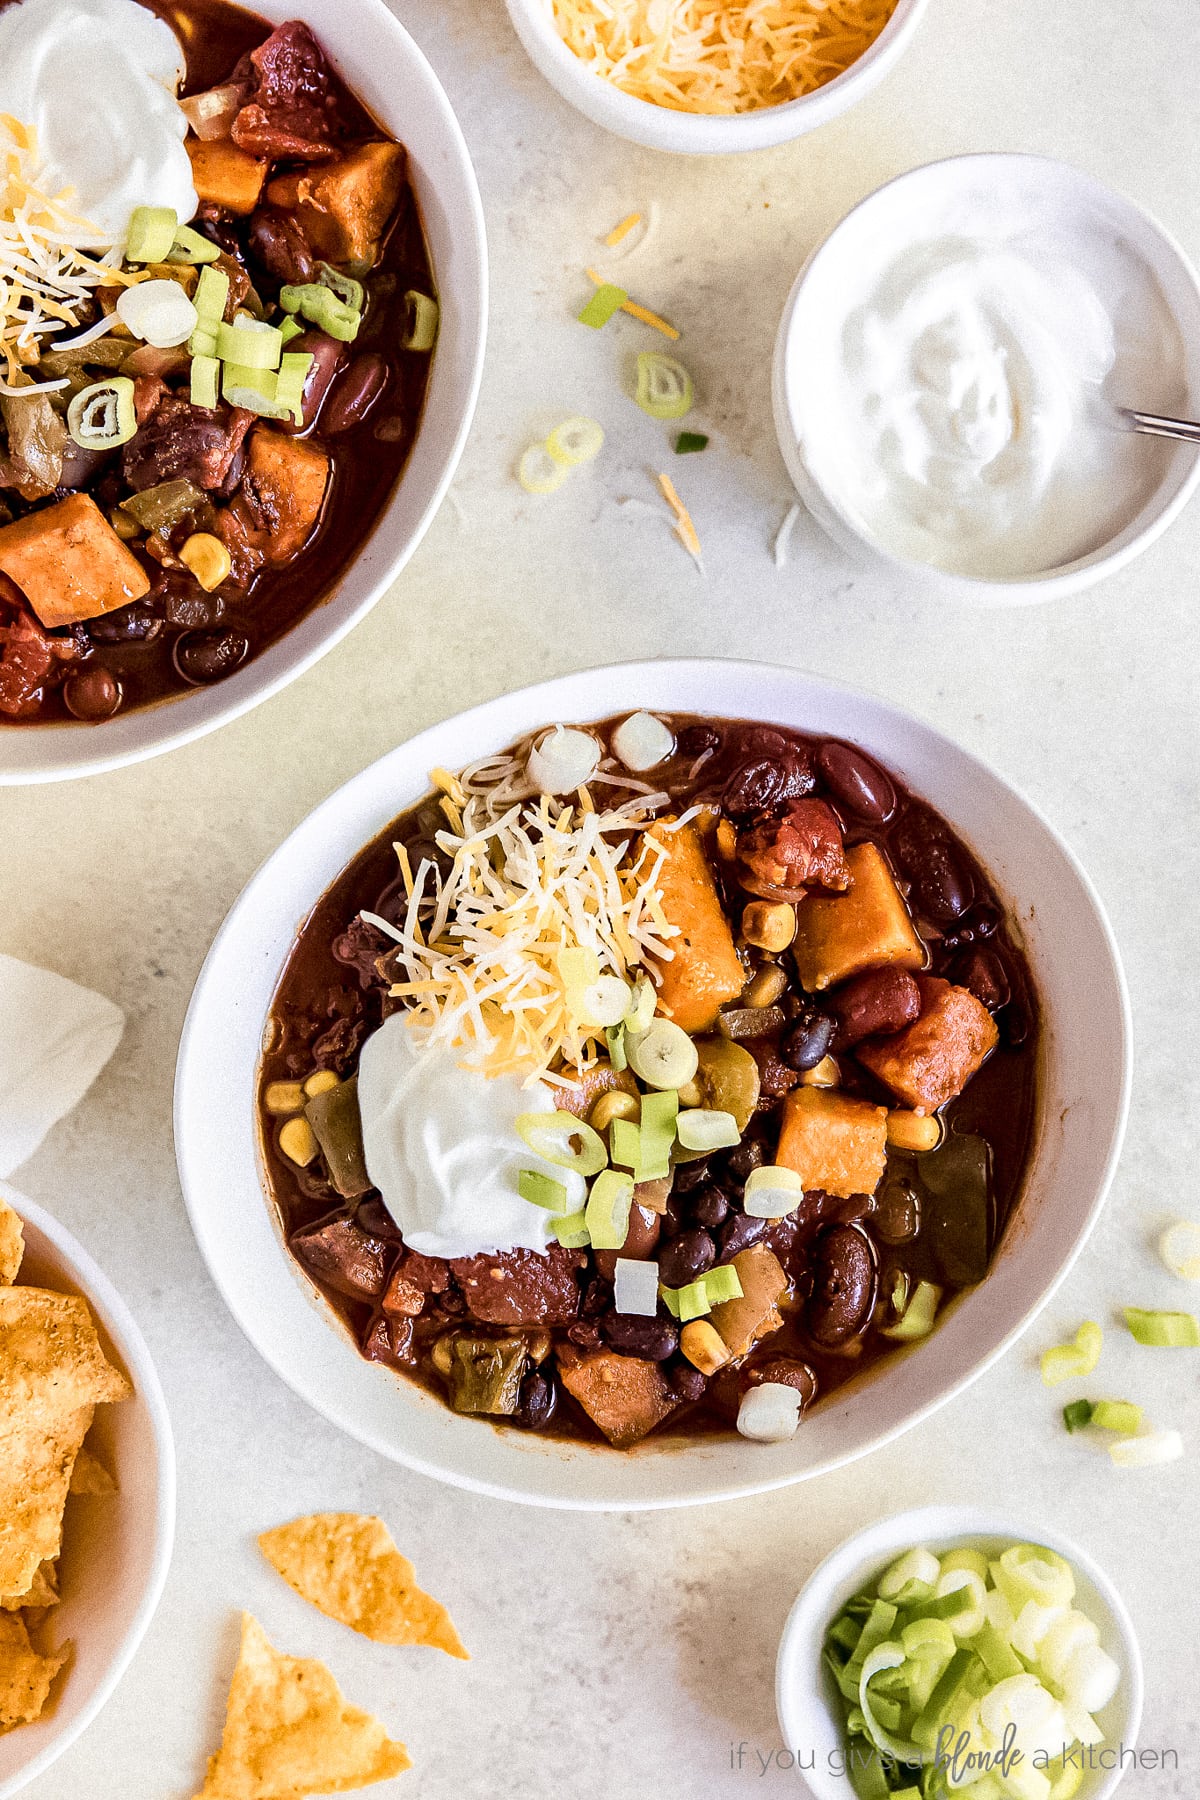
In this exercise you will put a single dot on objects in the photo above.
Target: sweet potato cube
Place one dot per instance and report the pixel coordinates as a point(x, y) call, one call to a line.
point(755, 1313)
point(285, 478)
point(833, 1141)
point(932, 1060)
point(225, 175)
point(69, 562)
point(839, 935)
point(344, 206)
point(625, 1396)
point(705, 971)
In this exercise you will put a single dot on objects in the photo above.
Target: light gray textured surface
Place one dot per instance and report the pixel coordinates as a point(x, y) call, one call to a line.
point(624, 1656)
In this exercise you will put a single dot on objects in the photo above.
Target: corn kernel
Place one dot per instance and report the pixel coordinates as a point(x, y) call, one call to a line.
point(727, 840)
point(767, 987)
point(913, 1131)
point(284, 1097)
point(614, 1105)
point(298, 1142)
point(704, 1346)
point(207, 558)
point(320, 1083)
point(769, 924)
point(691, 1093)
point(825, 1075)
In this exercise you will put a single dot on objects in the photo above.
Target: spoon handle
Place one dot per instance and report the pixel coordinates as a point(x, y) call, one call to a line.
point(1152, 425)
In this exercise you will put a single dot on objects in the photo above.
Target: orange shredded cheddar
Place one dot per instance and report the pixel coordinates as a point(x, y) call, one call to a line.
point(620, 232)
point(685, 530)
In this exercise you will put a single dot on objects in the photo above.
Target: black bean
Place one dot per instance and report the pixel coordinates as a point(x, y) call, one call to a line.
point(374, 1218)
point(808, 1041)
point(136, 623)
point(355, 393)
point(739, 1233)
point(585, 1333)
point(206, 656)
point(537, 1402)
point(631, 1335)
point(754, 787)
point(691, 1175)
point(686, 1258)
point(860, 785)
point(92, 695)
point(686, 1381)
point(747, 1156)
point(710, 1207)
point(942, 886)
point(694, 740)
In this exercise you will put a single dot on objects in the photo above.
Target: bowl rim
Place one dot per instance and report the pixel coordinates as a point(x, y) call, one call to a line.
point(538, 703)
point(259, 687)
point(645, 122)
point(126, 1334)
point(1050, 584)
point(933, 1524)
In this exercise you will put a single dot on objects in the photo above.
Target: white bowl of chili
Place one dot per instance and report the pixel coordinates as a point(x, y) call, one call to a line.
point(1077, 1133)
point(385, 70)
point(713, 128)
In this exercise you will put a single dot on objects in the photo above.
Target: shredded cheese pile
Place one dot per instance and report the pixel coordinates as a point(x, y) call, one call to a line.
point(480, 950)
point(720, 56)
point(47, 278)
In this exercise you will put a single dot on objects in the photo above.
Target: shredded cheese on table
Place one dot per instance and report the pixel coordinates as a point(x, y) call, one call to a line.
point(720, 56)
point(48, 276)
point(480, 952)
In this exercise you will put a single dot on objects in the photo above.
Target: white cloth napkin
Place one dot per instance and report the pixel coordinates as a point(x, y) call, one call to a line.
point(55, 1037)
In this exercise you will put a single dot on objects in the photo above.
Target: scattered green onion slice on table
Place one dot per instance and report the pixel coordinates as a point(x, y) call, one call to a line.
point(192, 247)
point(607, 1212)
point(1077, 1414)
point(1117, 1415)
point(1146, 1451)
point(538, 473)
point(206, 378)
point(575, 441)
point(607, 300)
point(102, 416)
point(689, 442)
point(1179, 1247)
point(1067, 1362)
point(542, 1190)
point(665, 390)
point(422, 317)
point(553, 1136)
point(152, 232)
point(1163, 1330)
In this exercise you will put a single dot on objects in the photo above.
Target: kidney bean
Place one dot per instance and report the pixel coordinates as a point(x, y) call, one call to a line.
point(943, 887)
point(686, 1258)
point(686, 1381)
point(754, 787)
point(808, 1041)
point(537, 1402)
point(136, 623)
point(897, 1215)
point(694, 740)
point(329, 359)
point(653, 1339)
point(983, 974)
point(92, 695)
point(878, 1001)
point(641, 1241)
point(204, 656)
point(710, 1207)
point(738, 1235)
point(788, 1371)
point(860, 785)
point(585, 1333)
point(279, 243)
point(844, 1281)
point(355, 393)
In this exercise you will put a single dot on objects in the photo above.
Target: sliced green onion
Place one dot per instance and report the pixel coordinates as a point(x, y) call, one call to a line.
point(1163, 1330)
point(940, 1705)
point(254, 390)
point(1031, 1572)
point(293, 375)
point(625, 1142)
point(772, 1192)
point(1077, 1414)
point(694, 1302)
point(603, 1001)
point(290, 328)
point(1117, 1415)
point(606, 301)
point(721, 1284)
point(348, 291)
point(664, 388)
point(543, 1190)
point(575, 441)
point(206, 376)
point(322, 308)
point(996, 1654)
point(211, 296)
point(928, 1637)
point(700, 1128)
point(192, 247)
point(203, 341)
point(553, 1136)
point(663, 1055)
point(614, 1037)
point(955, 1604)
point(877, 1626)
point(884, 1656)
point(1144, 1452)
point(670, 1299)
point(918, 1318)
point(423, 316)
point(250, 344)
point(914, 1565)
point(571, 1231)
point(151, 233)
point(607, 1212)
point(1179, 1247)
point(688, 442)
point(538, 473)
point(102, 416)
point(656, 1134)
point(158, 312)
point(964, 1581)
point(641, 1007)
point(965, 1558)
point(1067, 1362)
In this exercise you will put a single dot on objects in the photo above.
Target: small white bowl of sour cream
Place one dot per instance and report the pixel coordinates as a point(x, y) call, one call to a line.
point(952, 365)
point(806, 1698)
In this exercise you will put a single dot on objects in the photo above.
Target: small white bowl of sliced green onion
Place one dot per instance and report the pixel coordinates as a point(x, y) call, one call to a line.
point(954, 1654)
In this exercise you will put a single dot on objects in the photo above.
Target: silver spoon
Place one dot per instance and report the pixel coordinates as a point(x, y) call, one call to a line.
point(1153, 425)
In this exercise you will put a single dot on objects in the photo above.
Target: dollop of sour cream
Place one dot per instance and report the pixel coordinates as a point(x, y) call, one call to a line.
point(97, 81)
point(967, 411)
point(442, 1147)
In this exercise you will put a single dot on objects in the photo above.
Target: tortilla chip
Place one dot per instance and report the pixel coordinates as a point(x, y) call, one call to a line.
point(42, 1593)
point(12, 1244)
point(51, 1360)
point(90, 1476)
point(35, 1475)
point(25, 1676)
point(289, 1732)
point(348, 1568)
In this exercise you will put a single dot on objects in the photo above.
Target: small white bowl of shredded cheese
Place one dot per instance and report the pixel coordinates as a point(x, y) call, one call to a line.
point(698, 77)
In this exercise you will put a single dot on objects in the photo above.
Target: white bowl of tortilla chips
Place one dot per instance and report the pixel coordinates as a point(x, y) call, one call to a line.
point(87, 1485)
